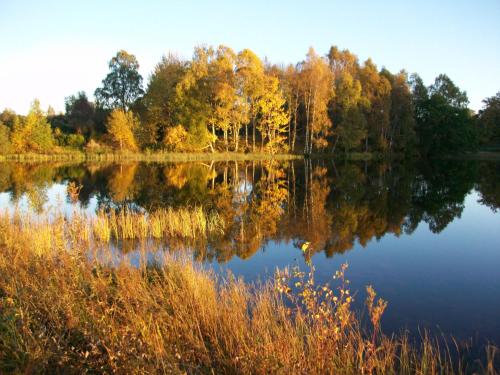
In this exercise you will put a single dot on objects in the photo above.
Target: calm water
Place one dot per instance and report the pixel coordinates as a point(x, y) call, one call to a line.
point(426, 236)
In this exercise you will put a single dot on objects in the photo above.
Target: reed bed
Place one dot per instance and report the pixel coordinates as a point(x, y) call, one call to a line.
point(188, 223)
point(63, 312)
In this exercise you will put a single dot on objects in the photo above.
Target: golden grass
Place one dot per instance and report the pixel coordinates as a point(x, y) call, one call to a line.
point(62, 311)
point(187, 223)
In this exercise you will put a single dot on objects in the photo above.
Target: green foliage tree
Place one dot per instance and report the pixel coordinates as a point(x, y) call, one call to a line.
point(376, 90)
point(123, 84)
point(80, 113)
point(160, 98)
point(402, 136)
point(195, 99)
point(488, 121)
point(7, 117)
point(349, 121)
point(444, 123)
point(444, 87)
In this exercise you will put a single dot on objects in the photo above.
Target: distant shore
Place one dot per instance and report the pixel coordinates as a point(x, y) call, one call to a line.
point(156, 156)
point(177, 156)
point(216, 156)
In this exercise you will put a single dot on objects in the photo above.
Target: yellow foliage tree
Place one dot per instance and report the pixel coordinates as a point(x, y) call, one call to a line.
point(317, 90)
point(274, 119)
point(121, 126)
point(176, 138)
point(32, 133)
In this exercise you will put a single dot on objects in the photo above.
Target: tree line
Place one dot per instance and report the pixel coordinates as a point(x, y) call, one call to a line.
point(222, 100)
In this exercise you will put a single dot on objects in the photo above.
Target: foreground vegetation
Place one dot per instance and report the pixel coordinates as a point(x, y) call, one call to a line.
point(63, 309)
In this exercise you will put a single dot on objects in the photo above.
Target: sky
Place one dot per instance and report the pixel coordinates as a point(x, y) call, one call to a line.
point(52, 49)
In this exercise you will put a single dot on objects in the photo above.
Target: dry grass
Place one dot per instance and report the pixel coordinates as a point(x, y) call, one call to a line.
point(62, 312)
point(186, 223)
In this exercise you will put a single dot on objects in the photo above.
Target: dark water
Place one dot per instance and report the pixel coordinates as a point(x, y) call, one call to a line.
point(425, 235)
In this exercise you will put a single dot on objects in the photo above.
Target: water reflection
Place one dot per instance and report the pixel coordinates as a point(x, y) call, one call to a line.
point(331, 205)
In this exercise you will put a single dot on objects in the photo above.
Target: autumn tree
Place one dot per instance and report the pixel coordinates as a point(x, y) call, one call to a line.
point(33, 133)
point(5, 144)
point(123, 84)
point(228, 116)
point(250, 76)
point(176, 138)
point(342, 61)
point(121, 126)
point(290, 81)
point(317, 91)
point(121, 181)
point(273, 118)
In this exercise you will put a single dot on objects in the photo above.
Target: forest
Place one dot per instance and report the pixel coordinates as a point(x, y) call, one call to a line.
point(227, 101)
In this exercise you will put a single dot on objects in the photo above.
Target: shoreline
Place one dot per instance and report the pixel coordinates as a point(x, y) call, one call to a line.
point(152, 157)
point(80, 156)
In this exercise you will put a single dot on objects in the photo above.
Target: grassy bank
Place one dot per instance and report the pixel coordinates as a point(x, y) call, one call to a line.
point(155, 156)
point(62, 311)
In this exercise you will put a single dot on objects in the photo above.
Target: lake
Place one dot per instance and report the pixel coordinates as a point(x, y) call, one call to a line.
point(425, 235)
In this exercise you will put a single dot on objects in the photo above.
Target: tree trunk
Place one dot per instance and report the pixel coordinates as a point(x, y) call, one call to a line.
point(253, 135)
point(246, 135)
point(308, 106)
point(335, 144)
point(296, 108)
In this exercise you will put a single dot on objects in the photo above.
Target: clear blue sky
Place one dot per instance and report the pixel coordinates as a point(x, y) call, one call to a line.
point(52, 49)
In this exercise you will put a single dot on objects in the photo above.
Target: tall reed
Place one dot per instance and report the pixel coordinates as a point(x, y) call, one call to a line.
point(188, 223)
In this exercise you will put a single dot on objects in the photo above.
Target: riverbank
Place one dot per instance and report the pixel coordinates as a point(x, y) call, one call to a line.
point(79, 156)
point(68, 305)
point(182, 157)
point(153, 157)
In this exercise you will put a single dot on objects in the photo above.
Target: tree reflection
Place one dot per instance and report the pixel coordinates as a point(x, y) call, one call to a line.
point(331, 205)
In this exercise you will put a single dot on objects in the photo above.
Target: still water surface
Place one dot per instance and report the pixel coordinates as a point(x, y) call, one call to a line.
point(426, 236)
